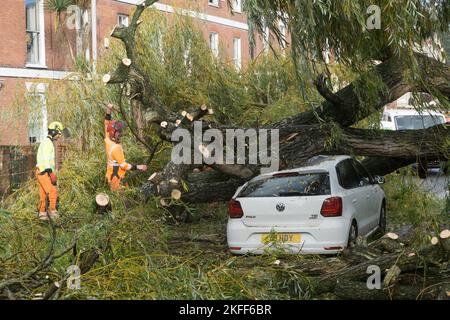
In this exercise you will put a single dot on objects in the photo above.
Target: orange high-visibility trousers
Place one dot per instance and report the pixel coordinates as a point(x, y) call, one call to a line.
point(46, 189)
point(114, 184)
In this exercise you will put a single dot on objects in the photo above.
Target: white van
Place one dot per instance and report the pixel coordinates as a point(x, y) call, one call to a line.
point(410, 119)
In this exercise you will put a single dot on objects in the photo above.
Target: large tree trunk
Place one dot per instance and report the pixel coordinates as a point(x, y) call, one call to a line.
point(323, 130)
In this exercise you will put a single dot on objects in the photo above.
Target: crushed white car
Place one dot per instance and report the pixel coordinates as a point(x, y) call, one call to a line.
point(320, 208)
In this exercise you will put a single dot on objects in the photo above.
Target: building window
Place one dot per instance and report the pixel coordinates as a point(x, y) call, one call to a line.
point(34, 16)
point(213, 2)
point(237, 5)
point(37, 118)
point(122, 20)
point(237, 57)
point(214, 43)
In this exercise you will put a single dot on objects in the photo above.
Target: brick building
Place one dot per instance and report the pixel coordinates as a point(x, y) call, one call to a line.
point(34, 52)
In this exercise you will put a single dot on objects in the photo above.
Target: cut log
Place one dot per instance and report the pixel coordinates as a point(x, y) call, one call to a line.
point(176, 194)
point(434, 241)
point(106, 78)
point(126, 62)
point(392, 235)
point(103, 204)
point(445, 240)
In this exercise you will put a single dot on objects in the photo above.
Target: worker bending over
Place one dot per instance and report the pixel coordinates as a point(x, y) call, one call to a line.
point(116, 164)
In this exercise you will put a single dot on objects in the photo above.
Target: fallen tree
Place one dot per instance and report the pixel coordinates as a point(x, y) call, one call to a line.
point(324, 129)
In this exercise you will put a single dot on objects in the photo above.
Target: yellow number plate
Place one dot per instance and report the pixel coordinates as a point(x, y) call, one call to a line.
point(281, 237)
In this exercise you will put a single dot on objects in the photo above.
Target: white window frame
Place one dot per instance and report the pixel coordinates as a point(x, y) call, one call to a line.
point(123, 17)
point(214, 43)
point(237, 6)
point(41, 43)
point(38, 90)
point(214, 3)
point(237, 53)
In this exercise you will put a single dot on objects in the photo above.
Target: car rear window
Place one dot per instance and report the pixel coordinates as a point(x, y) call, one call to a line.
point(288, 185)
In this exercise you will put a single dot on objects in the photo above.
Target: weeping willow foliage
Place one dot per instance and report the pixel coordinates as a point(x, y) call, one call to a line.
point(342, 26)
point(178, 61)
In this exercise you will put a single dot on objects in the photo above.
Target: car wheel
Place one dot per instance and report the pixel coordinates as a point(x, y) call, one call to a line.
point(382, 221)
point(352, 235)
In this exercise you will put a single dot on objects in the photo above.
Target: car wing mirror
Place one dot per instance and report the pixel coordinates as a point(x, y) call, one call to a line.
point(379, 179)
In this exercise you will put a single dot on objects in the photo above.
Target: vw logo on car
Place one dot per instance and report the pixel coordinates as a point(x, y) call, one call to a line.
point(280, 207)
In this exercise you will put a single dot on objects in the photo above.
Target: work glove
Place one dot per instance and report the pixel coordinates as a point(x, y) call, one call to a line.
point(52, 178)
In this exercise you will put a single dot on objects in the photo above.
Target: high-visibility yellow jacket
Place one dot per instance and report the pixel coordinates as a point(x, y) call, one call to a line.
point(115, 157)
point(46, 155)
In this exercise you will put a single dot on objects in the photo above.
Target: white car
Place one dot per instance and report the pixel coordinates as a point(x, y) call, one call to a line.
point(410, 119)
point(319, 208)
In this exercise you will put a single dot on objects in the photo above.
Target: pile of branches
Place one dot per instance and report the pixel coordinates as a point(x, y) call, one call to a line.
point(387, 268)
point(21, 284)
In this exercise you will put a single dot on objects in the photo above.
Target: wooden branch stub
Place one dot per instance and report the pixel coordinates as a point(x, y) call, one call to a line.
point(183, 113)
point(210, 111)
point(434, 241)
point(173, 181)
point(103, 203)
point(175, 194)
point(106, 78)
point(139, 22)
point(177, 122)
point(189, 117)
point(392, 235)
point(203, 107)
point(445, 234)
point(102, 199)
point(164, 124)
point(163, 203)
point(126, 62)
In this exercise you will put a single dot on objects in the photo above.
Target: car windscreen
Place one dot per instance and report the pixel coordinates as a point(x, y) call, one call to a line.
point(414, 122)
point(288, 185)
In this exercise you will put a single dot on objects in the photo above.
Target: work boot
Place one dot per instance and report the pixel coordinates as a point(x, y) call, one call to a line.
point(54, 215)
point(43, 216)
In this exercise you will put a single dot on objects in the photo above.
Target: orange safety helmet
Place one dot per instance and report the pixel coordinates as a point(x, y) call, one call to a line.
point(115, 128)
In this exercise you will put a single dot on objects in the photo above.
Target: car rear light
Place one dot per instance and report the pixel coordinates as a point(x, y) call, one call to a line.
point(332, 207)
point(235, 209)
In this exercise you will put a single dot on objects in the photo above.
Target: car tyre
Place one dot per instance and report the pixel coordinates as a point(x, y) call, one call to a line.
point(382, 221)
point(352, 235)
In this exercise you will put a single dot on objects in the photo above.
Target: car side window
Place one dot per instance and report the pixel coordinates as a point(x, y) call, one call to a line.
point(348, 177)
point(366, 177)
